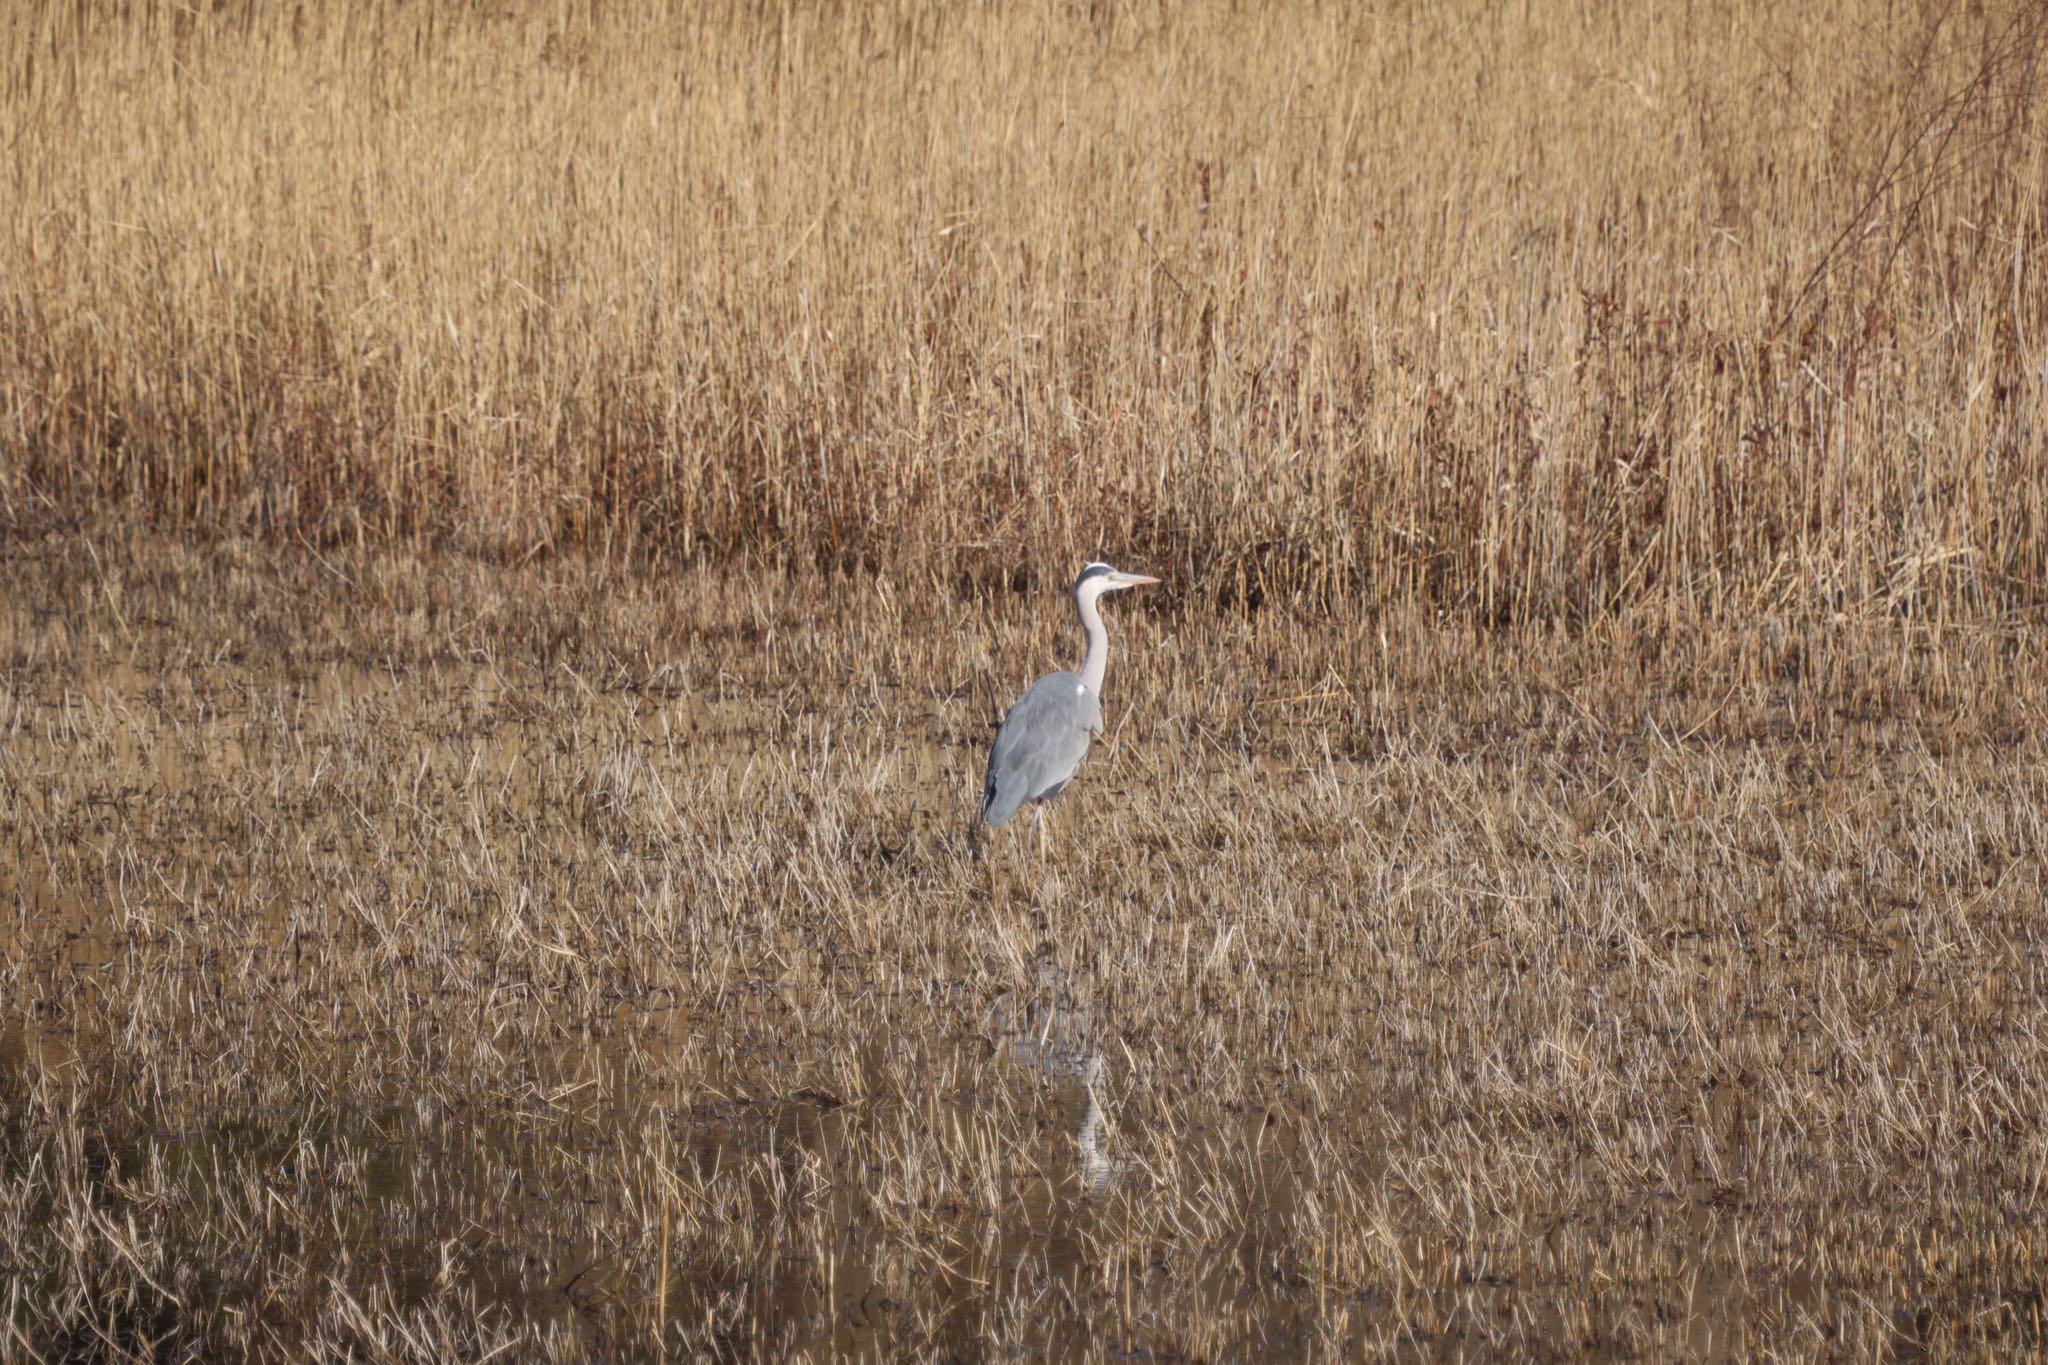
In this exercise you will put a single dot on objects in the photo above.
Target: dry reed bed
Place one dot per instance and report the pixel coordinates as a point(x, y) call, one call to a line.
point(409, 957)
point(1521, 311)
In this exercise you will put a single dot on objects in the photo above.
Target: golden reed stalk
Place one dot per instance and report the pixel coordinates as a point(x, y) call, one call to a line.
point(1517, 311)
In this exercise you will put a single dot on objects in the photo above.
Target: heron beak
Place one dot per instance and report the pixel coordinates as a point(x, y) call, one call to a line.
point(1130, 580)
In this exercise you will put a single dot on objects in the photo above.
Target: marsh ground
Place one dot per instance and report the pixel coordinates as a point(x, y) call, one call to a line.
point(516, 522)
point(409, 957)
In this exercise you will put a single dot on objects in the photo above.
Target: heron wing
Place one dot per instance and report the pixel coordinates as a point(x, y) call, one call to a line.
point(1041, 742)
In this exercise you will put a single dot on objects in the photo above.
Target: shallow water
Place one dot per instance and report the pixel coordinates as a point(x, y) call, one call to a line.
point(176, 783)
point(685, 1008)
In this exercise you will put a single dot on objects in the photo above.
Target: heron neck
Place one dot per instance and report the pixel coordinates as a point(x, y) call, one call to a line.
point(1096, 660)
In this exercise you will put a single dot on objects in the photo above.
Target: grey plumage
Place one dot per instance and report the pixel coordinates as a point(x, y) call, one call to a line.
point(1046, 734)
point(1042, 742)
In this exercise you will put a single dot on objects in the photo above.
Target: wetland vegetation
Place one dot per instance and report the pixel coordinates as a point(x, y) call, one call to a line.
point(516, 526)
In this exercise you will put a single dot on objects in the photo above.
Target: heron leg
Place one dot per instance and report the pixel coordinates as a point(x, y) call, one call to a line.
point(1041, 824)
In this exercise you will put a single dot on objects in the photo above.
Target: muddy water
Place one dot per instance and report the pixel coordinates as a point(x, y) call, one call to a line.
point(203, 805)
point(464, 970)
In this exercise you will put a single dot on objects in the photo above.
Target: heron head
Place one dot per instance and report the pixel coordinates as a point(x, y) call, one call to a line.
point(1097, 579)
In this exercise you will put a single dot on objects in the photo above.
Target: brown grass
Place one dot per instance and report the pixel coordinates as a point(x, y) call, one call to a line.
point(514, 526)
point(1529, 312)
point(409, 958)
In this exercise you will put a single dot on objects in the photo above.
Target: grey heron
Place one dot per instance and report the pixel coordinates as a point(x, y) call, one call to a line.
point(1046, 734)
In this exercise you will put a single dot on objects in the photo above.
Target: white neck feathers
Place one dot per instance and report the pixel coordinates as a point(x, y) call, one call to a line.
point(1096, 660)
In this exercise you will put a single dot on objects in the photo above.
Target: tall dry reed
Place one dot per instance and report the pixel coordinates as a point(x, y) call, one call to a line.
point(1527, 312)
